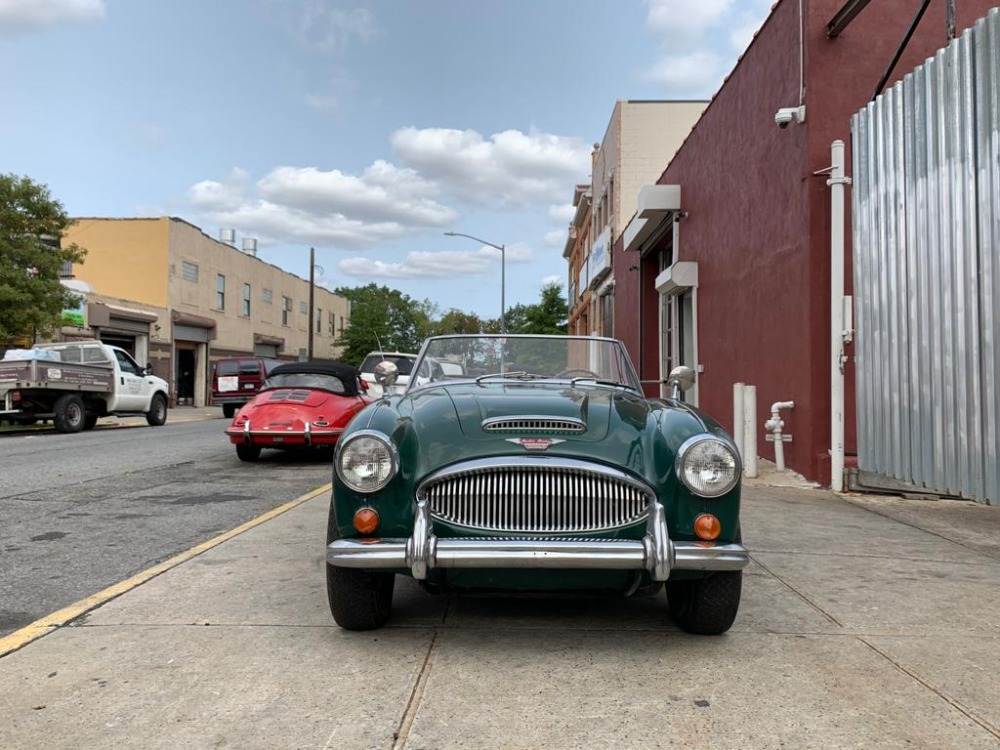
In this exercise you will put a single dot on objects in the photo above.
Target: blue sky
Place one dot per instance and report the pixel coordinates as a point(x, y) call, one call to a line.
point(363, 129)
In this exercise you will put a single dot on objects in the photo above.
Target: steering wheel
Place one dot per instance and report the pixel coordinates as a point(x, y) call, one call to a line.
point(578, 372)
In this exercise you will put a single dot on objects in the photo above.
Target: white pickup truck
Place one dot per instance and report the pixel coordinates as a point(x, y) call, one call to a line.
point(75, 383)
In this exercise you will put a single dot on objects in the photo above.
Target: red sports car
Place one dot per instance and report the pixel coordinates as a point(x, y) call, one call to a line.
point(301, 405)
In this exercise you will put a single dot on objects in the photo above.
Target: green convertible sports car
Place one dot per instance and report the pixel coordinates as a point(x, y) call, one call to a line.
point(537, 465)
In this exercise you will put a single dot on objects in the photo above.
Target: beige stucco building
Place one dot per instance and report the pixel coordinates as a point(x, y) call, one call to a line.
point(179, 299)
point(641, 138)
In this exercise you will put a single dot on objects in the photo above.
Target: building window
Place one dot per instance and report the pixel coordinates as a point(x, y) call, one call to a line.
point(286, 307)
point(189, 271)
point(220, 292)
point(331, 323)
point(304, 307)
point(341, 325)
point(319, 320)
point(265, 296)
point(246, 300)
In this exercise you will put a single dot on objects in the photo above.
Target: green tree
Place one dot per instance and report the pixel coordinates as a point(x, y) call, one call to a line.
point(548, 316)
point(456, 321)
point(382, 318)
point(31, 225)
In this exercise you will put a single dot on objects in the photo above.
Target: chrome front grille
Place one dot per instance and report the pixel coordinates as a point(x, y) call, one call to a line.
point(561, 496)
point(533, 424)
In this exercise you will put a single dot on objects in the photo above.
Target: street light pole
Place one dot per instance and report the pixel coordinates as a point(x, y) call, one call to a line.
point(503, 274)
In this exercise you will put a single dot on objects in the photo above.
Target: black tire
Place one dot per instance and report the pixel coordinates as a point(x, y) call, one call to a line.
point(90, 421)
point(69, 413)
point(157, 414)
point(248, 453)
point(359, 600)
point(229, 410)
point(707, 606)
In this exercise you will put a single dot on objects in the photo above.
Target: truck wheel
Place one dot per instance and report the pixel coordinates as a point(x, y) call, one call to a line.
point(228, 410)
point(359, 600)
point(249, 453)
point(157, 413)
point(70, 414)
point(90, 421)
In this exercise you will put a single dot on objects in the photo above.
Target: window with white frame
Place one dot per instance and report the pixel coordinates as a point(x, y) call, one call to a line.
point(220, 292)
point(246, 299)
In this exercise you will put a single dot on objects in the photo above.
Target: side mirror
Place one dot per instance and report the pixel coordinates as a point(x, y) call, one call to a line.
point(680, 379)
point(149, 368)
point(386, 373)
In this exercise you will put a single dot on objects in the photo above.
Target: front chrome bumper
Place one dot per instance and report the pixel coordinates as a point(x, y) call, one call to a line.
point(423, 551)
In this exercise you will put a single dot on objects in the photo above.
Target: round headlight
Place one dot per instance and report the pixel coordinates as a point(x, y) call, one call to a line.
point(366, 461)
point(707, 466)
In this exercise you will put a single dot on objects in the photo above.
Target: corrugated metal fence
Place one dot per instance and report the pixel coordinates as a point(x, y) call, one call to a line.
point(926, 214)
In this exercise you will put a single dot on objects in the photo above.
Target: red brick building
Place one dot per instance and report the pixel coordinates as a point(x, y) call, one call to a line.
point(728, 270)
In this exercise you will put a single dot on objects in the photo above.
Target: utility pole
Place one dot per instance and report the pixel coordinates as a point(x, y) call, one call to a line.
point(312, 295)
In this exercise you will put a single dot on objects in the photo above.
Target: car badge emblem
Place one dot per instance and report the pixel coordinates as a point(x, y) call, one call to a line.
point(535, 444)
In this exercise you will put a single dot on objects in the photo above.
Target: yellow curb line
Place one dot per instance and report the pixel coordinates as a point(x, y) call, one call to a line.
point(50, 623)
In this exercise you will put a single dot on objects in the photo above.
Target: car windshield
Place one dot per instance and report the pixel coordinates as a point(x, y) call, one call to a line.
point(321, 382)
point(404, 364)
point(529, 357)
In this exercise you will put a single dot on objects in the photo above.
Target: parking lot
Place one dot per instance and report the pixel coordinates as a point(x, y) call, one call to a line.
point(867, 622)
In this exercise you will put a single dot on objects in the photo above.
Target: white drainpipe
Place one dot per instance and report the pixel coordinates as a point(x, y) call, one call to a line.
point(774, 425)
point(839, 334)
point(738, 429)
point(750, 431)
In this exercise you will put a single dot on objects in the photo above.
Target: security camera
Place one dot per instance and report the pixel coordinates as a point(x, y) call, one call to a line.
point(785, 115)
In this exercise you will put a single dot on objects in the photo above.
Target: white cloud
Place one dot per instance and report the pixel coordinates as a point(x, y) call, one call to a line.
point(548, 280)
point(510, 169)
point(563, 213)
point(337, 90)
point(319, 26)
point(680, 20)
point(434, 265)
point(20, 16)
point(701, 41)
point(306, 204)
point(152, 136)
point(698, 73)
point(556, 238)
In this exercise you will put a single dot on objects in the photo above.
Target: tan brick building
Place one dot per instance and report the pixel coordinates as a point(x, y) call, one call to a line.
point(179, 299)
point(641, 138)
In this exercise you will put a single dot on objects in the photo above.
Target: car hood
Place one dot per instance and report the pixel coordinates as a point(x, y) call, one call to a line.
point(440, 425)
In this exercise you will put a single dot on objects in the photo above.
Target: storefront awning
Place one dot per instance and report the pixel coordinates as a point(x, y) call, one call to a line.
point(655, 206)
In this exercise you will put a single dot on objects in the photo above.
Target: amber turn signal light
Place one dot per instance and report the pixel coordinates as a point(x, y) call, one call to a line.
point(707, 527)
point(366, 521)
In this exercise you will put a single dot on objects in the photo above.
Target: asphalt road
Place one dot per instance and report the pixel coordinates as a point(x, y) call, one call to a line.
point(81, 512)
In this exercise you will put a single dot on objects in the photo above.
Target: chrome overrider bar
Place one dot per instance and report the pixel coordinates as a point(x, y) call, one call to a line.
point(423, 551)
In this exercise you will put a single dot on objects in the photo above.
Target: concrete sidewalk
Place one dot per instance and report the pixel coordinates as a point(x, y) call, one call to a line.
point(867, 622)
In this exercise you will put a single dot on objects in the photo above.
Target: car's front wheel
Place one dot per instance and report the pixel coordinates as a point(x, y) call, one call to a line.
point(706, 606)
point(157, 414)
point(359, 600)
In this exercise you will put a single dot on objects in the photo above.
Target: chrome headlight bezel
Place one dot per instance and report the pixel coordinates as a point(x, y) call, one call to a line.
point(347, 448)
point(693, 449)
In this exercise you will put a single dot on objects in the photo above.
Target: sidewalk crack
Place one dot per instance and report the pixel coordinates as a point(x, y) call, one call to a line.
point(953, 702)
point(402, 733)
point(799, 594)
